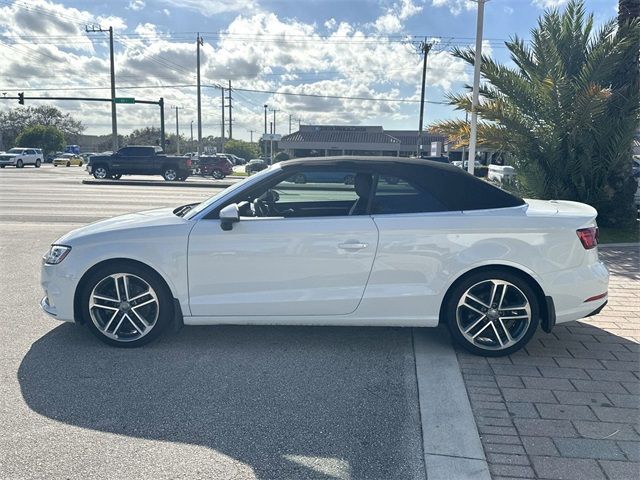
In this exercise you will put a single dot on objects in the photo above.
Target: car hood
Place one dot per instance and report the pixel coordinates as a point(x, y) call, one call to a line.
point(140, 220)
point(10, 154)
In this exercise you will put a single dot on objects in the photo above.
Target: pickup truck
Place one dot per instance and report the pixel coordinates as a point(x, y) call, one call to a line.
point(139, 160)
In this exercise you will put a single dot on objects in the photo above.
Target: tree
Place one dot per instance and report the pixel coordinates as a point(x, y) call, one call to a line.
point(561, 112)
point(46, 137)
point(241, 149)
point(13, 121)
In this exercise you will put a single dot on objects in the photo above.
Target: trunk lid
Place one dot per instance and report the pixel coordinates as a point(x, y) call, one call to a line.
point(564, 208)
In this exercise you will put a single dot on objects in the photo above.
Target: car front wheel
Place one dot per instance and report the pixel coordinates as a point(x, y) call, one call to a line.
point(19, 164)
point(126, 305)
point(492, 313)
point(100, 172)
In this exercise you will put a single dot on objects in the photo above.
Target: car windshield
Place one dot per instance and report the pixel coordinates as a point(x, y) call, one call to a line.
point(15, 150)
point(249, 180)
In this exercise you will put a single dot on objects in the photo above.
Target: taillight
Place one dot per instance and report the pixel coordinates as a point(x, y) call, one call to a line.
point(588, 237)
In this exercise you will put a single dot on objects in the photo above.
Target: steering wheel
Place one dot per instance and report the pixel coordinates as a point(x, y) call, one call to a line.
point(260, 208)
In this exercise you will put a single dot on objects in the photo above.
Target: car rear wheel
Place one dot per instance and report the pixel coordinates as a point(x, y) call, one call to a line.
point(100, 172)
point(217, 174)
point(170, 174)
point(68, 164)
point(492, 313)
point(19, 164)
point(126, 305)
point(38, 163)
point(80, 164)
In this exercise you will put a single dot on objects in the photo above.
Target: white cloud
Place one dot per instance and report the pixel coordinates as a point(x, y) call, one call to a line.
point(391, 21)
point(166, 11)
point(549, 3)
point(136, 5)
point(455, 6)
point(209, 8)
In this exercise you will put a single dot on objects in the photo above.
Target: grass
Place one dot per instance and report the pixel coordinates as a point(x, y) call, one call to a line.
point(618, 235)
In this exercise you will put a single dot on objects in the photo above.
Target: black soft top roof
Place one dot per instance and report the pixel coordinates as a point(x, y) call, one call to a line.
point(452, 185)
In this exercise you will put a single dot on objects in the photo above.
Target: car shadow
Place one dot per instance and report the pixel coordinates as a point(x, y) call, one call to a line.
point(621, 261)
point(287, 401)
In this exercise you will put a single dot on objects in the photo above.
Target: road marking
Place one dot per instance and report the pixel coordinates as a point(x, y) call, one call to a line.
point(451, 443)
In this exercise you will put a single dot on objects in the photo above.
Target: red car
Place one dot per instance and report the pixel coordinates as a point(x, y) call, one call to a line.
point(215, 166)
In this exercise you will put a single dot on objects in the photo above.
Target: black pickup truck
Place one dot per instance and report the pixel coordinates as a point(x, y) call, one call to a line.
point(139, 160)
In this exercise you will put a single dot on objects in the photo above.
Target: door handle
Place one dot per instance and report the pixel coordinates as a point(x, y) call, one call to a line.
point(352, 246)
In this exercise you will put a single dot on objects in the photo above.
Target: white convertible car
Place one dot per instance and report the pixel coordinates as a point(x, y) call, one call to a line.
point(337, 241)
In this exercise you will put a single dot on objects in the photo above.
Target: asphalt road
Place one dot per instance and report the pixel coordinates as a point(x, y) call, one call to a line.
point(209, 402)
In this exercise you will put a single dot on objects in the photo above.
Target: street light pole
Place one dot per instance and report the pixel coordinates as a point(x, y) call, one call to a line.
point(425, 47)
point(199, 42)
point(191, 136)
point(476, 88)
point(265, 129)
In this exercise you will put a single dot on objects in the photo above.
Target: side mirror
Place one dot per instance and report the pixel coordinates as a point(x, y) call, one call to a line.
point(228, 216)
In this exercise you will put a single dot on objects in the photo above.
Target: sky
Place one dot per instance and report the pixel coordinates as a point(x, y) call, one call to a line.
point(322, 48)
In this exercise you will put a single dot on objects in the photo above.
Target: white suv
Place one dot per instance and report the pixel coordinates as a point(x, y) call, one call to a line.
point(19, 157)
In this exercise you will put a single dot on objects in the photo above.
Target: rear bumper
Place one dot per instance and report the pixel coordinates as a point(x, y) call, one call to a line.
point(571, 288)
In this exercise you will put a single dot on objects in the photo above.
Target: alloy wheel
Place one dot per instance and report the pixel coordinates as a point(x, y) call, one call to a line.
point(170, 175)
point(100, 173)
point(124, 307)
point(493, 314)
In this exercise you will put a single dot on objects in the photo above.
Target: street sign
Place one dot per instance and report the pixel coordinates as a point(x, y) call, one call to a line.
point(273, 137)
point(124, 100)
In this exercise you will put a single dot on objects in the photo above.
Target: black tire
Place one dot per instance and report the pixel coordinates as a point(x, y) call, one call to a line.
point(2, 166)
point(19, 164)
point(55, 165)
point(38, 163)
point(165, 301)
point(523, 332)
point(80, 164)
point(100, 172)
point(170, 174)
point(68, 164)
point(217, 174)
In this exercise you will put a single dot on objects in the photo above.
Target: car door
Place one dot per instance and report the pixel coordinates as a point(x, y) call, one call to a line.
point(307, 257)
point(30, 157)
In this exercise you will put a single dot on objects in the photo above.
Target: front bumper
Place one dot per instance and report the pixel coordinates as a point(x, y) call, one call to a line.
point(59, 287)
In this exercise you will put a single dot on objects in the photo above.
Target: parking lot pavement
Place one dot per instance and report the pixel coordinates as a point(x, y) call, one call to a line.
point(568, 406)
point(209, 402)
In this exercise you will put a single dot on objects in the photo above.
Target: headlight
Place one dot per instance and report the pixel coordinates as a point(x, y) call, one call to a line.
point(56, 254)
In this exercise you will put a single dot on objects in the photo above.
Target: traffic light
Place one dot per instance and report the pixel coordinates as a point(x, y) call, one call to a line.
point(21, 98)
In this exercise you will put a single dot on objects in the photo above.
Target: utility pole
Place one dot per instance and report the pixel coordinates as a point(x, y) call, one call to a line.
point(265, 130)
point(178, 131)
point(425, 47)
point(251, 133)
point(199, 43)
point(274, 119)
point(473, 136)
point(222, 135)
point(290, 116)
point(114, 121)
point(191, 146)
point(230, 114)
point(162, 136)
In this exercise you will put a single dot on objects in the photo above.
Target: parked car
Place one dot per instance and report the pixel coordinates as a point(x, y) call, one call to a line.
point(67, 160)
point(19, 157)
point(323, 177)
point(215, 166)
point(490, 265)
point(139, 160)
point(255, 165)
point(50, 156)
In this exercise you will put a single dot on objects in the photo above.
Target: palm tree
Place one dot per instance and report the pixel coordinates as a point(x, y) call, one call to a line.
point(562, 111)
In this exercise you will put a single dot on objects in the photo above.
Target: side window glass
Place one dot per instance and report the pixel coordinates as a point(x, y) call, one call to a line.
point(397, 195)
point(313, 193)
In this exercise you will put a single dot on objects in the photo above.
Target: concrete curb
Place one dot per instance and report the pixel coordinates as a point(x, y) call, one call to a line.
point(154, 183)
point(451, 443)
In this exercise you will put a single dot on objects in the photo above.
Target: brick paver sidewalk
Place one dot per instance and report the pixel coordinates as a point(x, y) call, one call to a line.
point(568, 406)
